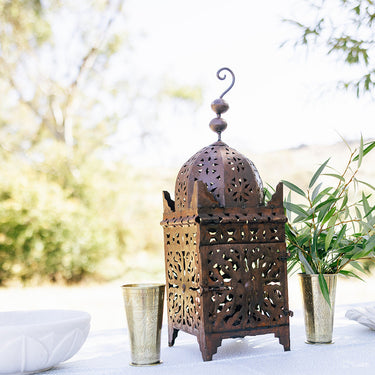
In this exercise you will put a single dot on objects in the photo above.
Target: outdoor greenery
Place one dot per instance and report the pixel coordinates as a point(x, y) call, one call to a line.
point(53, 128)
point(345, 30)
point(67, 209)
point(330, 227)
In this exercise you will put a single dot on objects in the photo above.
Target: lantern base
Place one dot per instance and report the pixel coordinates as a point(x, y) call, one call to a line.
point(209, 342)
point(172, 334)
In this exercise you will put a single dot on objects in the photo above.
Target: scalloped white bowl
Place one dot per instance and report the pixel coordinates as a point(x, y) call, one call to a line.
point(37, 340)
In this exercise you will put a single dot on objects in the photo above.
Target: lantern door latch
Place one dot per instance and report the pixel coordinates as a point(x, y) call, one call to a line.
point(287, 312)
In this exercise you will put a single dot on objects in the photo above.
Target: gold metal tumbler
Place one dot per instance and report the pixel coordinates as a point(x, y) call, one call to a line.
point(144, 313)
point(319, 315)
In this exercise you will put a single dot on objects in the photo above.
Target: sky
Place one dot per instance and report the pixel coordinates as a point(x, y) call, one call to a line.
point(282, 98)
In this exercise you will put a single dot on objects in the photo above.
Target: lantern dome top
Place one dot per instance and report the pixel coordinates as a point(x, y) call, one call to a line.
point(230, 177)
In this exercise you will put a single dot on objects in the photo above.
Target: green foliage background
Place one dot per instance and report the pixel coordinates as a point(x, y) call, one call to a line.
point(67, 212)
point(45, 233)
point(101, 223)
point(343, 29)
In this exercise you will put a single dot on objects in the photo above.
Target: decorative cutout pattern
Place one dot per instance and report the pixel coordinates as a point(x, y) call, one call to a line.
point(229, 176)
point(242, 233)
point(244, 285)
point(182, 268)
point(225, 252)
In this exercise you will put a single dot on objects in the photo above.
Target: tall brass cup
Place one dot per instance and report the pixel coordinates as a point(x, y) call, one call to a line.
point(319, 314)
point(144, 313)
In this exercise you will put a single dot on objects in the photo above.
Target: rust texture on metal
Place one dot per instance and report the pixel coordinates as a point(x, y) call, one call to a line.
point(225, 253)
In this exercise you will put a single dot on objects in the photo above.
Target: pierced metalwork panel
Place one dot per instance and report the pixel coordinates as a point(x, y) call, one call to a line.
point(245, 287)
point(225, 253)
point(242, 233)
point(231, 178)
point(183, 279)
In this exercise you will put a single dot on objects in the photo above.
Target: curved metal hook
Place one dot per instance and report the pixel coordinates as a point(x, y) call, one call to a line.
point(223, 77)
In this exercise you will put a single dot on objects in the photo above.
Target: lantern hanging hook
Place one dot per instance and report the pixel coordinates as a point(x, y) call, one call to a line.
point(223, 77)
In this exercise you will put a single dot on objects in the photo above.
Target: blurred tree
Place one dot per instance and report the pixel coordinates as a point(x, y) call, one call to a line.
point(53, 72)
point(345, 29)
point(67, 81)
point(59, 215)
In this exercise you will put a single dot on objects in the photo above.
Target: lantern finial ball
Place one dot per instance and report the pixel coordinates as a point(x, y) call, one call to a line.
point(218, 125)
point(220, 106)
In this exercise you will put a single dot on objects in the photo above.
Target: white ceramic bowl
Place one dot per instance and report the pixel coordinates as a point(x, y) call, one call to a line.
point(40, 339)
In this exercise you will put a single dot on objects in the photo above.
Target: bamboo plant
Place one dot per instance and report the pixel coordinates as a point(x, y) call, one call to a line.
point(332, 230)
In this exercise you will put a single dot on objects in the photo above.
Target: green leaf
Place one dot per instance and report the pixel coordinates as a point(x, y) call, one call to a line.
point(359, 255)
point(329, 236)
point(366, 226)
point(305, 263)
point(367, 184)
point(344, 140)
point(370, 244)
point(357, 10)
point(333, 220)
point(299, 219)
point(292, 265)
point(344, 201)
point(339, 236)
point(322, 194)
point(358, 212)
point(328, 216)
point(314, 247)
point(270, 188)
point(267, 194)
point(370, 146)
point(293, 187)
point(316, 191)
point(288, 200)
point(289, 231)
point(303, 240)
point(324, 288)
point(346, 213)
point(324, 204)
point(317, 174)
point(360, 152)
point(295, 208)
point(357, 266)
point(325, 208)
point(366, 207)
point(342, 179)
point(350, 274)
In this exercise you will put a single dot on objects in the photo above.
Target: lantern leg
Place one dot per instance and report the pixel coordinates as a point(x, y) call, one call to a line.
point(208, 346)
point(172, 334)
point(284, 337)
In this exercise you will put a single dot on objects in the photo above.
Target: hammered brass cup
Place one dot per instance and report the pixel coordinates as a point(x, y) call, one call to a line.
point(144, 313)
point(318, 314)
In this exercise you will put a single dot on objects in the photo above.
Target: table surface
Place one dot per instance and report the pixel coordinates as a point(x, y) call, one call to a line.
point(106, 352)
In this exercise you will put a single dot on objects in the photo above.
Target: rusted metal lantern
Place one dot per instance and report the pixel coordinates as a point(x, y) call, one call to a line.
point(225, 254)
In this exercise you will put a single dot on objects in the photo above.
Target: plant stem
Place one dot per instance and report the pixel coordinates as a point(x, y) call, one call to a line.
point(313, 226)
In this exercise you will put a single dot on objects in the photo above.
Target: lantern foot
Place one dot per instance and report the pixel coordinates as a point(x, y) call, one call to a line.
point(208, 346)
point(284, 337)
point(172, 334)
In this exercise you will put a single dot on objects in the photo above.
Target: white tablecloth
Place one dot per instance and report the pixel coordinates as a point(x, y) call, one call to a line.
point(107, 353)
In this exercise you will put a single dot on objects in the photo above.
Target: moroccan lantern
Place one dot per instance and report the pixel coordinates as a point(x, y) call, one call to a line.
point(225, 253)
